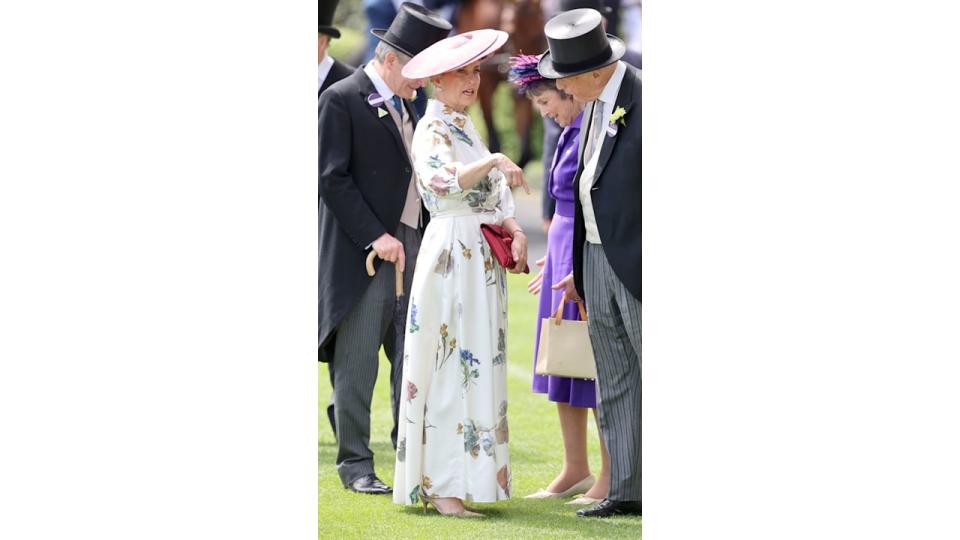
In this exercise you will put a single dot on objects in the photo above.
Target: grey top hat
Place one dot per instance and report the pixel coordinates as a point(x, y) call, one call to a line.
point(578, 44)
point(413, 29)
point(325, 10)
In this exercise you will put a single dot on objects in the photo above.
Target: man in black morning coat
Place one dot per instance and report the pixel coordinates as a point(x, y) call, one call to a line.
point(368, 200)
point(331, 70)
point(587, 64)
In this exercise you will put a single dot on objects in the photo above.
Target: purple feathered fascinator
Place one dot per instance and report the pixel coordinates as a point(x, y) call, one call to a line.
point(523, 72)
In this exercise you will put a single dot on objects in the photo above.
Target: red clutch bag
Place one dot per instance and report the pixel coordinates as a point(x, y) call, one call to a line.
point(499, 241)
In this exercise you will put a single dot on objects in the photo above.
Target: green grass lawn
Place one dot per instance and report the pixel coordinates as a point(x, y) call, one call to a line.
point(536, 455)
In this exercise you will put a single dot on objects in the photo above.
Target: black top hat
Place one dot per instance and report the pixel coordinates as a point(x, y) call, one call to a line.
point(578, 44)
point(413, 29)
point(325, 11)
point(568, 5)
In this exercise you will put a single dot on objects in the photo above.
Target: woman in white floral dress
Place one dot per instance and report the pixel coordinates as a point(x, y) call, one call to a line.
point(453, 436)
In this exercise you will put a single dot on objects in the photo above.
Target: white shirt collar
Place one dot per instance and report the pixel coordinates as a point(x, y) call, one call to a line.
point(610, 91)
point(324, 68)
point(385, 92)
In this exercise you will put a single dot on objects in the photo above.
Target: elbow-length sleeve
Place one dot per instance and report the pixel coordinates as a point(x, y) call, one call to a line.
point(438, 171)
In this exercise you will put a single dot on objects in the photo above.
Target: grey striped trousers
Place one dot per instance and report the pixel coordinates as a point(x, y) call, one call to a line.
point(376, 319)
point(614, 323)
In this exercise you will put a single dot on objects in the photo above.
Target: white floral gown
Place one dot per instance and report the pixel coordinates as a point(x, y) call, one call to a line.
point(453, 408)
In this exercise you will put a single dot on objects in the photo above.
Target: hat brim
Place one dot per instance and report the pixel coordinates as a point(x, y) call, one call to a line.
point(329, 30)
point(422, 67)
point(549, 71)
point(380, 34)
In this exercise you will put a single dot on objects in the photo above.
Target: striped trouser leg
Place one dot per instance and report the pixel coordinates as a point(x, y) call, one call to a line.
point(356, 361)
point(614, 323)
point(393, 343)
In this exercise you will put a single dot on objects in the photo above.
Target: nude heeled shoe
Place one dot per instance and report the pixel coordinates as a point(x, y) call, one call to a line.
point(580, 487)
point(463, 513)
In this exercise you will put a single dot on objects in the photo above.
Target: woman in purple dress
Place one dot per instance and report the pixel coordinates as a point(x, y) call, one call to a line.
point(572, 396)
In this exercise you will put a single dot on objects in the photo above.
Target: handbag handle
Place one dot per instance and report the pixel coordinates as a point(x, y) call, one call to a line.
point(558, 314)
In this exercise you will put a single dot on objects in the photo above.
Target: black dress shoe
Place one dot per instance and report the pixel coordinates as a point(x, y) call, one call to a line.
point(371, 485)
point(608, 508)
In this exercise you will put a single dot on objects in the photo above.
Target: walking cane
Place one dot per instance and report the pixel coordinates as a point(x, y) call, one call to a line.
point(398, 274)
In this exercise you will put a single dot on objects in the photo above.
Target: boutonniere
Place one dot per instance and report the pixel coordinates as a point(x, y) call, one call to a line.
point(617, 116)
point(376, 100)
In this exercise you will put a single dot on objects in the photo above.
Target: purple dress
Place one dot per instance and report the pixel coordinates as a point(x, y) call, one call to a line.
point(559, 263)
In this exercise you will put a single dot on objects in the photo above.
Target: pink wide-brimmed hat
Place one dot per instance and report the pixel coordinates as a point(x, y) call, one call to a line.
point(454, 52)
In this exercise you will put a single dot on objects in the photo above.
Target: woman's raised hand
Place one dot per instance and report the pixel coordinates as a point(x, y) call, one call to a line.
point(533, 287)
point(511, 172)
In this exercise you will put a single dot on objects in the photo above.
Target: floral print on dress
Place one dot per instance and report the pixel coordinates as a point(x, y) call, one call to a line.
point(465, 250)
point(460, 134)
point(502, 431)
point(440, 133)
point(467, 361)
point(434, 162)
point(444, 263)
point(479, 194)
point(472, 438)
point(413, 327)
point(488, 270)
point(457, 359)
point(444, 349)
point(442, 180)
point(501, 357)
point(439, 185)
point(504, 479)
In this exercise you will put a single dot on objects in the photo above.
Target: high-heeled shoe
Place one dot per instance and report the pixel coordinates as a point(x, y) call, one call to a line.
point(463, 513)
point(580, 487)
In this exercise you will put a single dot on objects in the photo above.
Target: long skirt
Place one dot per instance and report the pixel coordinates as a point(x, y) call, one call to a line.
point(453, 409)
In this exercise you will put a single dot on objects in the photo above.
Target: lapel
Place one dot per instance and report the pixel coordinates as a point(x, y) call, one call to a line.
point(365, 88)
point(625, 100)
point(584, 129)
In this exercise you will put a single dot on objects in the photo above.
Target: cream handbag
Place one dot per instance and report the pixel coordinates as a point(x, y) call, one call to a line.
point(565, 348)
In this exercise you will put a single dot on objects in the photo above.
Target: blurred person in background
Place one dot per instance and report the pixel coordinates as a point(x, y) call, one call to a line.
point(331, 70)
point(632, 23)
